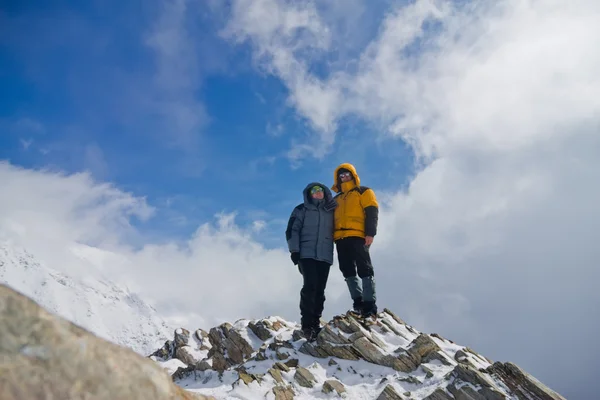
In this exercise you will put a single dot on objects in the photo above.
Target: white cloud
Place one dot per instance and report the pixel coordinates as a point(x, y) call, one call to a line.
point(282, 34)
point(494, 242)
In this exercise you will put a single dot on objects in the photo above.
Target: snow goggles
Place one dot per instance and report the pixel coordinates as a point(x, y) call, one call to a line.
point(345, 174)
point(316, 189)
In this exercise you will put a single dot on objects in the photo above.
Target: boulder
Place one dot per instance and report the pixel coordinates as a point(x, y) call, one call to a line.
point(304, 377)
point(45, 356)
point(333, 385)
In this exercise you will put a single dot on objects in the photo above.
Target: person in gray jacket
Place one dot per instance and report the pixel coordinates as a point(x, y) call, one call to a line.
point(309, 237)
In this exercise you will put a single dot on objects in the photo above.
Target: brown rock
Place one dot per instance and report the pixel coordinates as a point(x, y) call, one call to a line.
point(276, 374)
point(331, 385)
point(389, 393)
point(368, 350)
point(521, 383)
point(277, 325)
point(46, 356)
point(304, 377)
point(283, 393)
point(281, 367)
point(439, 394)
point(246, 378)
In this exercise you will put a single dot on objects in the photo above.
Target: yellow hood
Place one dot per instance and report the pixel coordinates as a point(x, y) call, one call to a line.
point(350, 168)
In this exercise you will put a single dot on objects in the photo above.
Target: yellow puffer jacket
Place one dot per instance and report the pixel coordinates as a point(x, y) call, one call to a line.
point(357, 210)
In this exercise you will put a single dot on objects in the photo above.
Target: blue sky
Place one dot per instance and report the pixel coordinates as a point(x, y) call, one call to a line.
point(83, 92)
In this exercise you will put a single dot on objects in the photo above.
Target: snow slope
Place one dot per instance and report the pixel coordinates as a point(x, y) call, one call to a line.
point(90, 301)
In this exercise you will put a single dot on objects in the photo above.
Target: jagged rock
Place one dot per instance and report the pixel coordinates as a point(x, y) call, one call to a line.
point(46, 356)
point(396, 318)
point(304, 377)
point(182, 336)
point(439, 394)
point(389, 393)
point(428, 371)
point(184, 354)
point(368, 350)
point(166, 352)
point(277, 325)
point(246, 378)
point(182, 372)
point(292, 363)
point(331, 385)
point(282, 356)
point(217, 334)
point(260, 330)
point(393, 328)
point(219, 363)
point(521, 383)
point(465, 376)
point(297, 335)
point(281, 367)
point(203, 365)
point(327, 335)
point(332, 362)
point(311, 350)
point(283, 393)
point(276, 374)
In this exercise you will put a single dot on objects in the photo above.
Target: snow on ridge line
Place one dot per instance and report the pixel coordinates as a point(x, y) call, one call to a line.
point(91, 301)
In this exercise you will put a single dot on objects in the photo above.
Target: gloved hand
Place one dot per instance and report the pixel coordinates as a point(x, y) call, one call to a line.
point(295, 256)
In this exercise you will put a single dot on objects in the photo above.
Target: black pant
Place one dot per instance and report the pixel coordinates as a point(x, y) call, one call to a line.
point(312, 295)
point(354, 257)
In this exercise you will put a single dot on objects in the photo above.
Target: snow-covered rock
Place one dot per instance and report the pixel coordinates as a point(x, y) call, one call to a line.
point(388, 360)
point(95, 303)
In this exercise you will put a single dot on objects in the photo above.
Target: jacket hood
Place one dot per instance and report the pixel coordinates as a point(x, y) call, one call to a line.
point(336, 188)
point(330, 204)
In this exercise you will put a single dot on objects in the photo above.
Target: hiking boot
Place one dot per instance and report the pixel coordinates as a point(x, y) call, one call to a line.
point(310, 334)
point(369, 310)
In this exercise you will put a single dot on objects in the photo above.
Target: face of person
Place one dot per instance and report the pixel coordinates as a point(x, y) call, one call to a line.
point(345, 176)
point(317, 192)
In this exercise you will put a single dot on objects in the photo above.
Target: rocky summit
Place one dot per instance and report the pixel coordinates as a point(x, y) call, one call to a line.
point(389, 360)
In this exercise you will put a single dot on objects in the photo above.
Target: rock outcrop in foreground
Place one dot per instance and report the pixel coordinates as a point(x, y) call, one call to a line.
point(269, 359)
point(43, 356)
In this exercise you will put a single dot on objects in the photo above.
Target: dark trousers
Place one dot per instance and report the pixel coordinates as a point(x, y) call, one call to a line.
point(354, 259)
point(312, 295)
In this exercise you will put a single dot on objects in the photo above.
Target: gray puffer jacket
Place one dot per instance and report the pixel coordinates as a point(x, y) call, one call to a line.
point(310, 227)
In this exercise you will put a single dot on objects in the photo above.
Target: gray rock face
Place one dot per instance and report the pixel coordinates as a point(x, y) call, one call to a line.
point(45, 356)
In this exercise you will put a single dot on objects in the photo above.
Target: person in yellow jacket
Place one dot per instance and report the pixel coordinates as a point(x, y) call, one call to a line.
point(355, 226)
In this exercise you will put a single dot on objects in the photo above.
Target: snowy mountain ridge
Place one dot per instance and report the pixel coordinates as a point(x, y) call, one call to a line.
point(90, 301)
point(390, 360)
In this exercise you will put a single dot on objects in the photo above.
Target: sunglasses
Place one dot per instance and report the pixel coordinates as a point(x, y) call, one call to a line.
point(345, 174)
point(316, 189)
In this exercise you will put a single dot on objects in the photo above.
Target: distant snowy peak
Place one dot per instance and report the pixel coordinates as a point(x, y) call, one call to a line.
point(90, 301)
point(388, 360)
